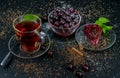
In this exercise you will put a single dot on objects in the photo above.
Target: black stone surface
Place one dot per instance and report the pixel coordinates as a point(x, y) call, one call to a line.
point(104, 64)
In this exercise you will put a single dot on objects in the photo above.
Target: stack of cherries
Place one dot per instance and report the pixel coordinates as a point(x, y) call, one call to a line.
point(64, 21)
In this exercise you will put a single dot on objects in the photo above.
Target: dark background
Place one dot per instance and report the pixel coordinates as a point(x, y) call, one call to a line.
point(105, 64)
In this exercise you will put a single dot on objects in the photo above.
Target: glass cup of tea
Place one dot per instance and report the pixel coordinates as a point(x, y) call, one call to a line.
point(27, 30)
point(64, 20)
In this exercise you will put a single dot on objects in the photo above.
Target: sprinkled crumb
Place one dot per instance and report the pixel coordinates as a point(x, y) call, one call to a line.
point(102, 62)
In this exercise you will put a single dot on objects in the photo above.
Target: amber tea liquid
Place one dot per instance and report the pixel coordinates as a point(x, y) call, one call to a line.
point(27, 34)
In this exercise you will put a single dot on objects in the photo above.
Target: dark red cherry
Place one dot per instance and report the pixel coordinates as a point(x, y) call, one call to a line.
point(42, 47)
point(56, 23)
point(86, 68)
point(79, 74)
point(44, 19)
point(70, 67)
point(50, 54)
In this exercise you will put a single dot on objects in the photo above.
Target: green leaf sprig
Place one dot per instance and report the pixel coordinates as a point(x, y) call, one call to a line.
point(31, 17)
point(102, 23)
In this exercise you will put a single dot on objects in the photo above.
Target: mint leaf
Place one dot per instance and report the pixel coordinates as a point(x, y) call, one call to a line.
point(102, 23)
point(106, 28)
point(32, 17)
point(104, 31)
point(98, 23)
point(29, 17)
point(39, 15)
point(103, 20)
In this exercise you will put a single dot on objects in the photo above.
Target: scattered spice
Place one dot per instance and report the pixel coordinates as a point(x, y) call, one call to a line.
point(101, 44)
point(76, 55)
point(28, 68)
point(2, 33)
point(103, 62)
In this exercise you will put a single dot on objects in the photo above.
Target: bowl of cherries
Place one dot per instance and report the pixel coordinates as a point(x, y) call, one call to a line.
point(64, 20)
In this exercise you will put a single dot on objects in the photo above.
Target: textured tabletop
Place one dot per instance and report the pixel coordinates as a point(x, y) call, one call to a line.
point(103, 64)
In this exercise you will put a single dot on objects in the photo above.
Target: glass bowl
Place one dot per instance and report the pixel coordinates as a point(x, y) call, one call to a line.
point(105, 42)
point(59, 29)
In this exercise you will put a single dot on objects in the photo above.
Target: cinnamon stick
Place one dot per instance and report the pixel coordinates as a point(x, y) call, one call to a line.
point(72, 49)
point(80, 47)
point(77, 51)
